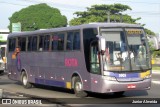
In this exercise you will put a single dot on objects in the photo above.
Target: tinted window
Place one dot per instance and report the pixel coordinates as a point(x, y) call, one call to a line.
point(61, 42)
point(22, 43)
point(32, 43)
point(41, 43)
point(29, 43)
point(58, 41)
point(12, 44)
point(73, 41)
point(76, 41)
point(70, 40)
point(46, 42)
point(88, 36)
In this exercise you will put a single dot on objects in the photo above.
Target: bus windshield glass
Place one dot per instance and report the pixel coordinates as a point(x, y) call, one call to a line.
point(126, 50)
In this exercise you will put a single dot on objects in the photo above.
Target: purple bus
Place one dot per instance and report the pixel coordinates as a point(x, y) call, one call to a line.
point(97, 57)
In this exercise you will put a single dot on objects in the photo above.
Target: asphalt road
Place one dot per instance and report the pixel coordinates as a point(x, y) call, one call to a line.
point(52, 94)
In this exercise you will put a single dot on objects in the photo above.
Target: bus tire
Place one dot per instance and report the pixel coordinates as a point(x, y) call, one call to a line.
point(25, 82)
point(78, 88)
point(119, 93)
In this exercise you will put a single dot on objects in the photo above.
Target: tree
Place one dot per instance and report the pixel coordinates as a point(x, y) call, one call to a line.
point(149, 32)
point(99, 13)
point(40, 16)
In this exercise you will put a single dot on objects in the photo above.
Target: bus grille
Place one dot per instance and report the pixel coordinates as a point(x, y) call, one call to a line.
point(129, 79)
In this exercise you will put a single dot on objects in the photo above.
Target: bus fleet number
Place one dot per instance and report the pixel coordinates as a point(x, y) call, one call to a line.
point(122, 75)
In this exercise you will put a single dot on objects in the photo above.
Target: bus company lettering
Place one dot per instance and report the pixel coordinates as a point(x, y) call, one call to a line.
point(71, 62)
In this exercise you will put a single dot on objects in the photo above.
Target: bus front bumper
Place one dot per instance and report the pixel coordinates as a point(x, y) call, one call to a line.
point(115, 86)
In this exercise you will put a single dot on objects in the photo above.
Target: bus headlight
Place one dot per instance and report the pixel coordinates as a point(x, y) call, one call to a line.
point(109, 78)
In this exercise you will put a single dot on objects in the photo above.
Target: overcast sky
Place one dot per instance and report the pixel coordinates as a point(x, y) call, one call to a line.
point(148, 10)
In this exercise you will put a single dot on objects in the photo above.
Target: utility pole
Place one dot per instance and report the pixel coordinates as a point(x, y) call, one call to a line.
point(121, 17)
point(108, 16)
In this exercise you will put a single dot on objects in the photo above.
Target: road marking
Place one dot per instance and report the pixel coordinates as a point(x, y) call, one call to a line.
point(155, 82)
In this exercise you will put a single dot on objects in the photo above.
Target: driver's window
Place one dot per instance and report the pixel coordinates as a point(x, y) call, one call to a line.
point(94, 58)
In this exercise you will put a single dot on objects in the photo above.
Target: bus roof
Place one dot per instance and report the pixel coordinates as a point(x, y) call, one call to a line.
point(90, 25)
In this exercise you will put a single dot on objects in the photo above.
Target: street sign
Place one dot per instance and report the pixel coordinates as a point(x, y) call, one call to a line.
point(16, 27)
point(3, 37)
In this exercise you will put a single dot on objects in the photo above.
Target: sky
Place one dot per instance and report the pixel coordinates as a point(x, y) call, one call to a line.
point(148, 10)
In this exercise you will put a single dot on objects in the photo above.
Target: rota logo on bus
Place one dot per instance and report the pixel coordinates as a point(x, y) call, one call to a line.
point(71, 62)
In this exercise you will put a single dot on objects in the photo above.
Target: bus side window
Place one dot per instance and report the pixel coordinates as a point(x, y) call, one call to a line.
point(54, 42)
point(41, 43)
point(73, 41)
point(22, 43)
point(46, 42)
point(61, 41)
point(12, 44)
point(76, 41)
point(34, 43)
point(29, 43)
point(69, 41)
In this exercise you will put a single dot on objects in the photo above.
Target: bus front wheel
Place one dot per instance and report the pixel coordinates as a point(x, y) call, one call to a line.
point(25, 82)
point(78, 88)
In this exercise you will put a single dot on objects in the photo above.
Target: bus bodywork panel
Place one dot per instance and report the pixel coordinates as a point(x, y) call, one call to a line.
point(49, 68)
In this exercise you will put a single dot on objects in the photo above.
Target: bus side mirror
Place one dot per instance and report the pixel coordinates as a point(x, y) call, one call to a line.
point(102, 44)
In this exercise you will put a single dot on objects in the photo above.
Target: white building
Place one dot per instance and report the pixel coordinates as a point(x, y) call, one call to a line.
point(3, 35)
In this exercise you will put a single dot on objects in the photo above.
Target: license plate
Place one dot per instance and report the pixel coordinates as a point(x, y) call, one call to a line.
point(131, 86)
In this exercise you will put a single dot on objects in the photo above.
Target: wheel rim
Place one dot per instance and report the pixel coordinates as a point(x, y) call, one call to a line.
point(24, 80)
point(78, 86)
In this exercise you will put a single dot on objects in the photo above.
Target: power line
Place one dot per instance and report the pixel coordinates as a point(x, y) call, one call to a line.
point(13, 3)
point(55, 4)
point(72, 9)
point(134, 2)
point(61, 8)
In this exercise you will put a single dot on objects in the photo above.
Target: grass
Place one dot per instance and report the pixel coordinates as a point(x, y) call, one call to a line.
point(156, 68)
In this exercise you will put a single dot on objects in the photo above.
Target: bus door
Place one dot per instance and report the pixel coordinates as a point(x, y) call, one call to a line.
point(95, 70)
point(94, 58)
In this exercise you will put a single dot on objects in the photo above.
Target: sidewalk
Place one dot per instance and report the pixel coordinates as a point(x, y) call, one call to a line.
point(8, 94)
point(156, 71)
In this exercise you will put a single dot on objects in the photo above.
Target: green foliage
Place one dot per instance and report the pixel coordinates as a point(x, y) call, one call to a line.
point(98, 13)
point(156, 54)
point(39, 16)
point(151, 44)
point(156, 68)
point(149, 32)
point(152, 48)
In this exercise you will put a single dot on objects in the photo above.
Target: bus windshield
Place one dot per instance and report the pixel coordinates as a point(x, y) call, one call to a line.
point(126, 50)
